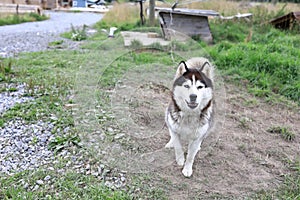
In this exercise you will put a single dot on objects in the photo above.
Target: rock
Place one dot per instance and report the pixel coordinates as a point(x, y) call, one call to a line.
point(119, 136)
point(40, 182)
point(47, 178)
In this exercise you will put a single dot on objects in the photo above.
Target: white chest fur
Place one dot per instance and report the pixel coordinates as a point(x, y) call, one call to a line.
point(189, 126)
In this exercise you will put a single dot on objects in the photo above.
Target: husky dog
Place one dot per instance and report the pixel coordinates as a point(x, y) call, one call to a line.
point(189, 115)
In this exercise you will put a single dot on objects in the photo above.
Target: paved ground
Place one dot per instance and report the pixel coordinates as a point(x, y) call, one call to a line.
point(35, 36)
point(58, 22)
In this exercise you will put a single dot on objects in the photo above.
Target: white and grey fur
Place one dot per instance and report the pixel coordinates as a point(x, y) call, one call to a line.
point(189, 115)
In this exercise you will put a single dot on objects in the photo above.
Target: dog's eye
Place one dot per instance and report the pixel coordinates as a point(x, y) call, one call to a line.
point(199, 87)
point(186, 86)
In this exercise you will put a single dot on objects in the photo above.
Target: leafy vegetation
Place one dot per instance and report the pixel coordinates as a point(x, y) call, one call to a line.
point(76, 34)
point(21, 18)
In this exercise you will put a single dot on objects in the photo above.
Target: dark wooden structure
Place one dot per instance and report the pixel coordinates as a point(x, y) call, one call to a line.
point(287, 21)
point(191, 22)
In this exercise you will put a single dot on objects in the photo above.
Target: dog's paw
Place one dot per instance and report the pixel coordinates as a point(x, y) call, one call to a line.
point(180, 161)
point(169, 145)
point(187, 171)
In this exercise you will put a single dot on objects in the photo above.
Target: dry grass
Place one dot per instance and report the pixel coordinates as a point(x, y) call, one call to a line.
point(129, 12)
point(231, 7)
point(3, 15)
point(122, 13)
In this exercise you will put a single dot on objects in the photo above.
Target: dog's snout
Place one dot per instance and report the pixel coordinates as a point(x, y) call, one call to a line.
point(193, 97)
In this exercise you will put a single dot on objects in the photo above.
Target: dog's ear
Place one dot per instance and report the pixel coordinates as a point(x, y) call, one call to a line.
point(185, 66)
point(182, 68)
point(207, 69)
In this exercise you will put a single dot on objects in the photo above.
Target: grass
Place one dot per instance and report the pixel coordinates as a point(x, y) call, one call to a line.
point(21, 18)
point(257, 60)
point(284, 132)
point(123, 16)
point(68, 186)
point(6, 72)
point(290, 189)
point(115, 72)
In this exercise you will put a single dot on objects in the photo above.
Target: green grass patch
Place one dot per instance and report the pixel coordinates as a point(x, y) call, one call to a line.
point(284, 132)
point(229, 31)
point(6, 72)
point(21, 18)
point(56, 43)
point(269, 62)
point(60, 186)
point(118, 68)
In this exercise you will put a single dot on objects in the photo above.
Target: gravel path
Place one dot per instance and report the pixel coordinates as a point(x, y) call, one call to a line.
point(35, 36)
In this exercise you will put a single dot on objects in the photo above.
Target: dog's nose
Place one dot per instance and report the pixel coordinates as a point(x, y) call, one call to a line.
point(193, 97)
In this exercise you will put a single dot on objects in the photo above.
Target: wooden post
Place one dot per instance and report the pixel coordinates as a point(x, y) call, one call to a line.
point(141, 11)
point(17, 9)
point(152, 12)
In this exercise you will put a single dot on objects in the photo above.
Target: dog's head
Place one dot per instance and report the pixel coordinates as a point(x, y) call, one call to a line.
point(193, 86)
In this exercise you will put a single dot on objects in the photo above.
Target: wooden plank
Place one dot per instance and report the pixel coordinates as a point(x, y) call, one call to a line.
point(12, 8)
point(26, 2)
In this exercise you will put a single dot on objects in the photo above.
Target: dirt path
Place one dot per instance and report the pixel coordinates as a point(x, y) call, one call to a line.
point(247, 158)
point(240, 159)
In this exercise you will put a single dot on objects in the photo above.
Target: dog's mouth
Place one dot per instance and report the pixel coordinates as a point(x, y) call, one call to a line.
point(192, 105)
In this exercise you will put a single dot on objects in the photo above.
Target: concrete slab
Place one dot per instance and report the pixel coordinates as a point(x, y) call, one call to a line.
point(145, 38)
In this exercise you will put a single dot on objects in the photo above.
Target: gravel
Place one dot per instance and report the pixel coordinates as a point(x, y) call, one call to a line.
point(35, 36)
point(14, 94)
point(24, 146)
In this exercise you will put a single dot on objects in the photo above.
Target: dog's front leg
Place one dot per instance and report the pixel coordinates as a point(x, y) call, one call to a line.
point(179, 154)
point(193, 148)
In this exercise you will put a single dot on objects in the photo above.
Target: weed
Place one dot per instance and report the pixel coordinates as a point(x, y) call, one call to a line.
point(135, 44)
point(283, 131)
point(251, 102)
point(244, 122)
point(61, 142)
point(77, 34)
point(56, 43)
point(242, 148)
point(104, 117)
point(5, 70)
point(34, 140)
